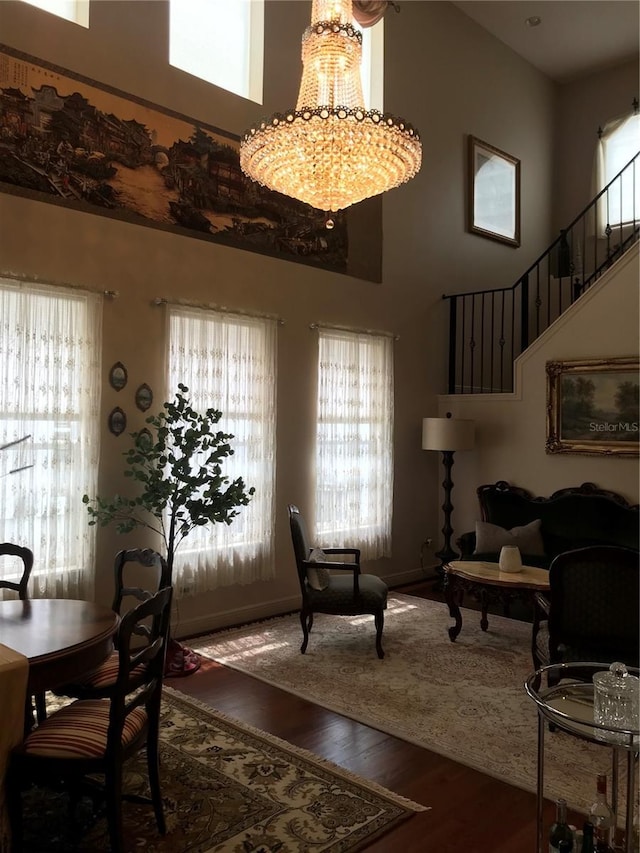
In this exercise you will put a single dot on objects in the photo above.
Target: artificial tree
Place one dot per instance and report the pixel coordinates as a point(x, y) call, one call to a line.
point(181, 486)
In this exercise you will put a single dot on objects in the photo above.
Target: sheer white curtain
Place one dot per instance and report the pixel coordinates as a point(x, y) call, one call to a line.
point(619, 142)
point(50, 346)
point(228, 362)
point(354, 442)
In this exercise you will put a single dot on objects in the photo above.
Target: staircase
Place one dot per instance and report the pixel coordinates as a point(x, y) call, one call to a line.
point(488, 329)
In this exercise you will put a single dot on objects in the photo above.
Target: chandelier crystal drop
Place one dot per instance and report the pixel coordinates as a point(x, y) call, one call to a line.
point(330, 152)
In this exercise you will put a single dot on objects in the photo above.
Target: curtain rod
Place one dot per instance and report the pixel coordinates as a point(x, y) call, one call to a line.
point(354, 329)
point(212, 306)
point(634, 111)
point(34, 279)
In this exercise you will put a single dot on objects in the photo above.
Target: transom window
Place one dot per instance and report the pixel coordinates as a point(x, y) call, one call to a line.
point(373, 66)
point(220, 41)
point(76, 11)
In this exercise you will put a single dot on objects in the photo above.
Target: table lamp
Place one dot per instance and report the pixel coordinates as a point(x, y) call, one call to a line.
point(448, 435)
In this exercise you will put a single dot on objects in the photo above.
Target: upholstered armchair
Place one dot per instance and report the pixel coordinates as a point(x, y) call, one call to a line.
point(591, 610)
point(323, 592)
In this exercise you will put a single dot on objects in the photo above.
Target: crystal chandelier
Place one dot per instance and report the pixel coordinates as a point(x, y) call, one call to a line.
point(331, 152)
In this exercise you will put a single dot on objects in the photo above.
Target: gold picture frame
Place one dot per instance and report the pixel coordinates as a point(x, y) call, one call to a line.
point(592, 407)
point(493, 193)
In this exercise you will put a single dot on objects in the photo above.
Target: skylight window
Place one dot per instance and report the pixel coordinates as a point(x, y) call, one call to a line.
point(221, 42)
point(76, 11)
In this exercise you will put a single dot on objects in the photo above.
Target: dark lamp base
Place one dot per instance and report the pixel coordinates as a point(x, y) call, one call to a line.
point(447, 555)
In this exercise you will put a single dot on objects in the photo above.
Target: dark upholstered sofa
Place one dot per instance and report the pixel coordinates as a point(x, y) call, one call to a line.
point(570, 518)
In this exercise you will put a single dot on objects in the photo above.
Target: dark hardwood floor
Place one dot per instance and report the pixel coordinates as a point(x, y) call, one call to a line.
point(469, 811)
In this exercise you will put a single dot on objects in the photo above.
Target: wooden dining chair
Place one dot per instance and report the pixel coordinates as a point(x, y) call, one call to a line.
point(131, 567)
point(97, 736)
point(8, 549)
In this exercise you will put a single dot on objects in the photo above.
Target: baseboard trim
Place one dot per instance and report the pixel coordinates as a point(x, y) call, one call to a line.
point(184, 628)
point(236, 617)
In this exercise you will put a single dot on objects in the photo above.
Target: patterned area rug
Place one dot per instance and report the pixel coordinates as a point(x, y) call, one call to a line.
point(465, 700)
point(227, 788)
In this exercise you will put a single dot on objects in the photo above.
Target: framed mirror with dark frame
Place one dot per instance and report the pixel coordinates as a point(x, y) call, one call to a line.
point(493, 193)
point(144, 397)
point(117, 421)
point(118, 376)
point(143, 439)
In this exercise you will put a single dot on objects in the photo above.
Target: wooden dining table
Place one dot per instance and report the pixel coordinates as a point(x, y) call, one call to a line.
point(61, 638)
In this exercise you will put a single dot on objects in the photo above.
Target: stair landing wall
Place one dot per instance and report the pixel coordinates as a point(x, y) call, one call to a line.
point(511, 428)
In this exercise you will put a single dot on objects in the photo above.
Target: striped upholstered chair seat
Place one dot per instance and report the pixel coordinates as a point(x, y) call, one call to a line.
point(79, 731)
point(102, 679)
point(97, 736)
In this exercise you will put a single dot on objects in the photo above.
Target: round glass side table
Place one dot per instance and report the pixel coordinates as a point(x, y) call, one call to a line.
point(564, 696)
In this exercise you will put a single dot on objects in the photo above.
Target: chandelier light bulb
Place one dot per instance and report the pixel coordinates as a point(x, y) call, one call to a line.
point(330, 152)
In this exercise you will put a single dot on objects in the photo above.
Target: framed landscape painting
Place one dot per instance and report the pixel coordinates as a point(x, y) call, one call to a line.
point(593, 406)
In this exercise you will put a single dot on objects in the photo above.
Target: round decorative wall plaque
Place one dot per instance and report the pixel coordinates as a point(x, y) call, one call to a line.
point(117, 421)
point(118, 376)
point(144, 397)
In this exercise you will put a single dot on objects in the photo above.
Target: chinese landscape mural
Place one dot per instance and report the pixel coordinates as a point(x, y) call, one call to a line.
point(71, 141)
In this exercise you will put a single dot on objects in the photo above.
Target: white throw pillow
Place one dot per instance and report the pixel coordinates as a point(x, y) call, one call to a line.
point(318, 578)
point(490, 538)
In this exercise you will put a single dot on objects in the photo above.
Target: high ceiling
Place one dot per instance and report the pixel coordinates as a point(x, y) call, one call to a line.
point(574, 37)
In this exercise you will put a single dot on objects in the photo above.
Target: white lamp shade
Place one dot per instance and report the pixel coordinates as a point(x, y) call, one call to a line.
point(447, 434)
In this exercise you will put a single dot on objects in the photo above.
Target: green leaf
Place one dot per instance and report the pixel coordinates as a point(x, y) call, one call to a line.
point(178, 471)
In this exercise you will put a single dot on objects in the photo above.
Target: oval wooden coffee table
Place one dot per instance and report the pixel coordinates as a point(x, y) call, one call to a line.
point(62, 638)
point(487, 584)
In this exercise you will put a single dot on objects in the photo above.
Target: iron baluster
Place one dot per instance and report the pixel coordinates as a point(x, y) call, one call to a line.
point(453, 304)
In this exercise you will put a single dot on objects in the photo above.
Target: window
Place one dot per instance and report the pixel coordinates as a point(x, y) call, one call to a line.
point(228, 362)
point(50, 344)
point(619, 143)
point(354, 441)
point(221, 42)
point(373, 66)
point(72, 10)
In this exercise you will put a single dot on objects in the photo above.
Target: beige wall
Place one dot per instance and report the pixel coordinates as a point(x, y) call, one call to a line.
point(447, 76)
point(511, 428)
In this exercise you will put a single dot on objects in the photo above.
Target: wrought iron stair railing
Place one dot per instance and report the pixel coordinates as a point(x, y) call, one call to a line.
point(488, 329)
